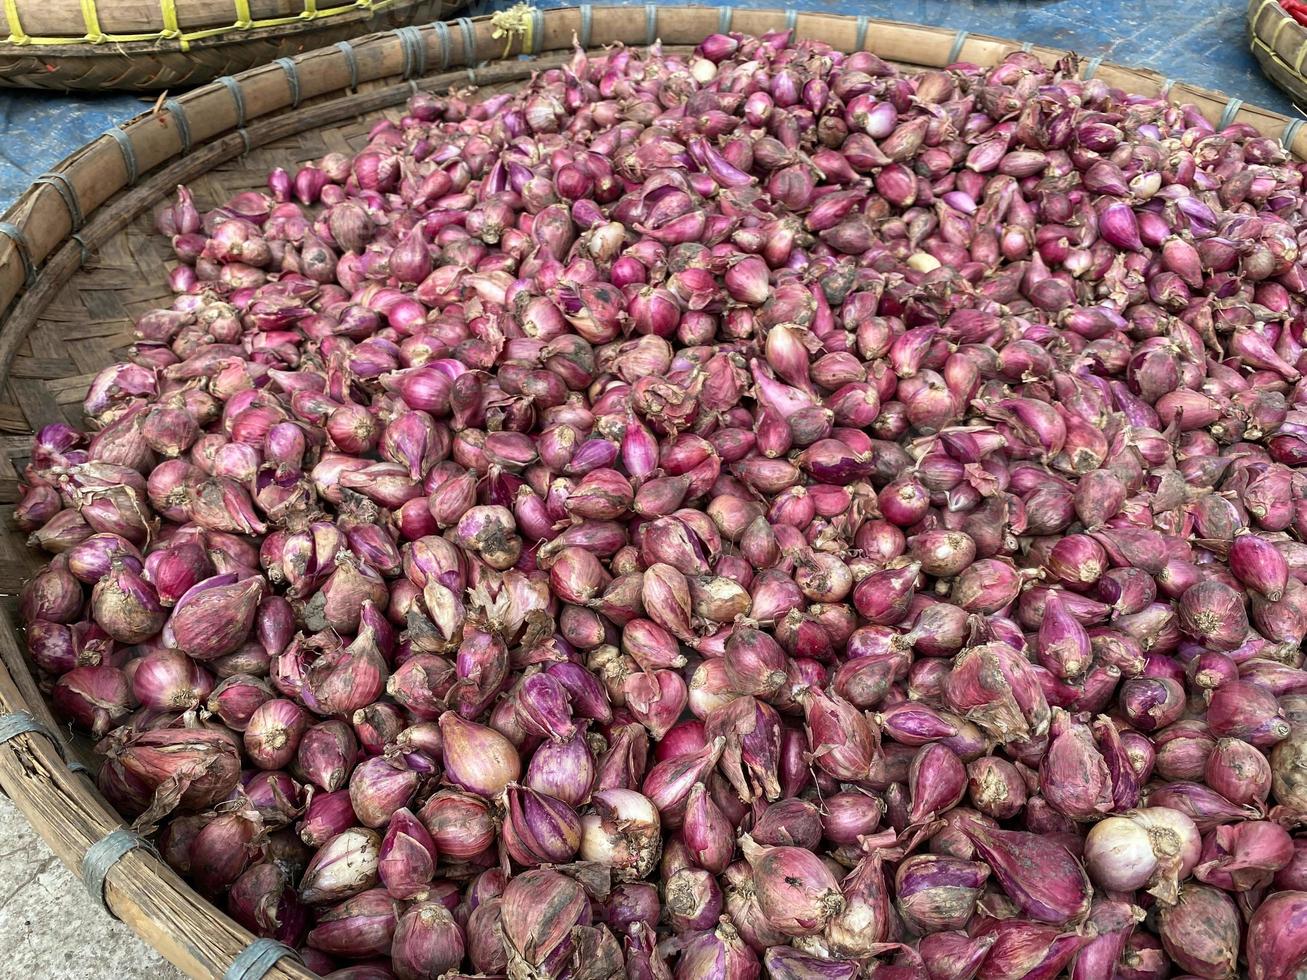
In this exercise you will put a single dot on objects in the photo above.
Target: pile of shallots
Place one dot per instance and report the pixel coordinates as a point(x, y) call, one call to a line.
point(714, 513)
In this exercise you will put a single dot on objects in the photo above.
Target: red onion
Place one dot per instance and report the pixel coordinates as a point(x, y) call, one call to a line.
point(935, 440)
point(1275, 937)
point(1201, 931)
point(796, 892)
point(1154, 847)
point(540, 909)
point(1057, 892)
point(345, 865)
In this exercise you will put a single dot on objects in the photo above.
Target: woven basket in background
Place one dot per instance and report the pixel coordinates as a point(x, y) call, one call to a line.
point(1279, 44)
point(145, 45)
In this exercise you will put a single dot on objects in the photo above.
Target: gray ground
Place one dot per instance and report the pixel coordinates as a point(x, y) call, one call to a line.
point(49, 927)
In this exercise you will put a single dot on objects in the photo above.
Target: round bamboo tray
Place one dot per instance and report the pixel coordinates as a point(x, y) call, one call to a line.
point(1280, 45)
point(145, 45)
point(79, 259)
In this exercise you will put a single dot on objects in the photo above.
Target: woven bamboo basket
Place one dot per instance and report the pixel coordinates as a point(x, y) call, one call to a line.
point(79, 259)
point(144, 45)
point(1280, 45)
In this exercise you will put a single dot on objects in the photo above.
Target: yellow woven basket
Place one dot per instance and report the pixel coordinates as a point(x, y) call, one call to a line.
point(144, 45)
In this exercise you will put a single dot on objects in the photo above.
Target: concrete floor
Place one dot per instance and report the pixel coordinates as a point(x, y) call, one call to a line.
point(49, 927)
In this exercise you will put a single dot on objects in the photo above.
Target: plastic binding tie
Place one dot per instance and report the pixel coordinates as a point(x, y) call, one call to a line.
point(469, 42)
point(352, 60)
point(103, 855)
point(256, 959)
point(86, 257)
point(537, 30)
point(19, 238)
point(860, 41)
point(1231, 110)
point(1290, 131)
point(1028, 46)
point(1092, 66)
point(1166, 88)
point(76, 766)
point(183, 124)
point(415, 52)
point(442, 36)
point(791, 18)
point(22, 723)
point(237, 96)
point(959, 39)
point(724, 17)
point(124, 142)
point(650, 23)
point(64, 186)
point(292, 71)
point(587, 21)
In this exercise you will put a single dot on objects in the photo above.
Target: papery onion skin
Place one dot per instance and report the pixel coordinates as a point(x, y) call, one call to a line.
point(1276, 942)
point(796, 891)
point(749, 506)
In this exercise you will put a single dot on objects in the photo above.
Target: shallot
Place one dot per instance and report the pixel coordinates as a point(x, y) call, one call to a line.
point(713, 512)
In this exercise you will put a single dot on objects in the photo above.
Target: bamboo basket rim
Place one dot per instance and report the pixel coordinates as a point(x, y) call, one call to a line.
point(1279, 43)
point(93, 195)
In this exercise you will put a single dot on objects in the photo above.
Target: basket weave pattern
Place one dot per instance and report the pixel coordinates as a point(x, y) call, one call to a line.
point(1279, 43)
point(80, 260)
point(127, 44)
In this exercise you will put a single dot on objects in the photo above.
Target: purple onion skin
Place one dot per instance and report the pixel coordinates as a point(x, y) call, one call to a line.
point(755, 451)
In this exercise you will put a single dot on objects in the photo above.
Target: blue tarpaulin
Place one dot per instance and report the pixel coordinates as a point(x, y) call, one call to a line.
point(1204, 42)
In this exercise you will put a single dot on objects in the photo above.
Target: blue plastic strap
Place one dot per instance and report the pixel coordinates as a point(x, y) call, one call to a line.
point(19, 238)
point(21, 723)
point(237, 96)
point(442, 39)
point(86, 257)
point(103, 855)
point(650, 23)
point(791, 18)
point(469, 41)
point(183, 124)
point(1091, 67)
point(1290, 131)
point(724, 17)
point(256, 959)
point(860, 42)
point(959, 39)
point(64, 186)
point(129, 152)
point(587, 20)
point(1166, 87)
point(352, 60)
point(537, 30)
point(292, 71)
point(1231, 110)
point(415, 52)
point(1028, 46)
